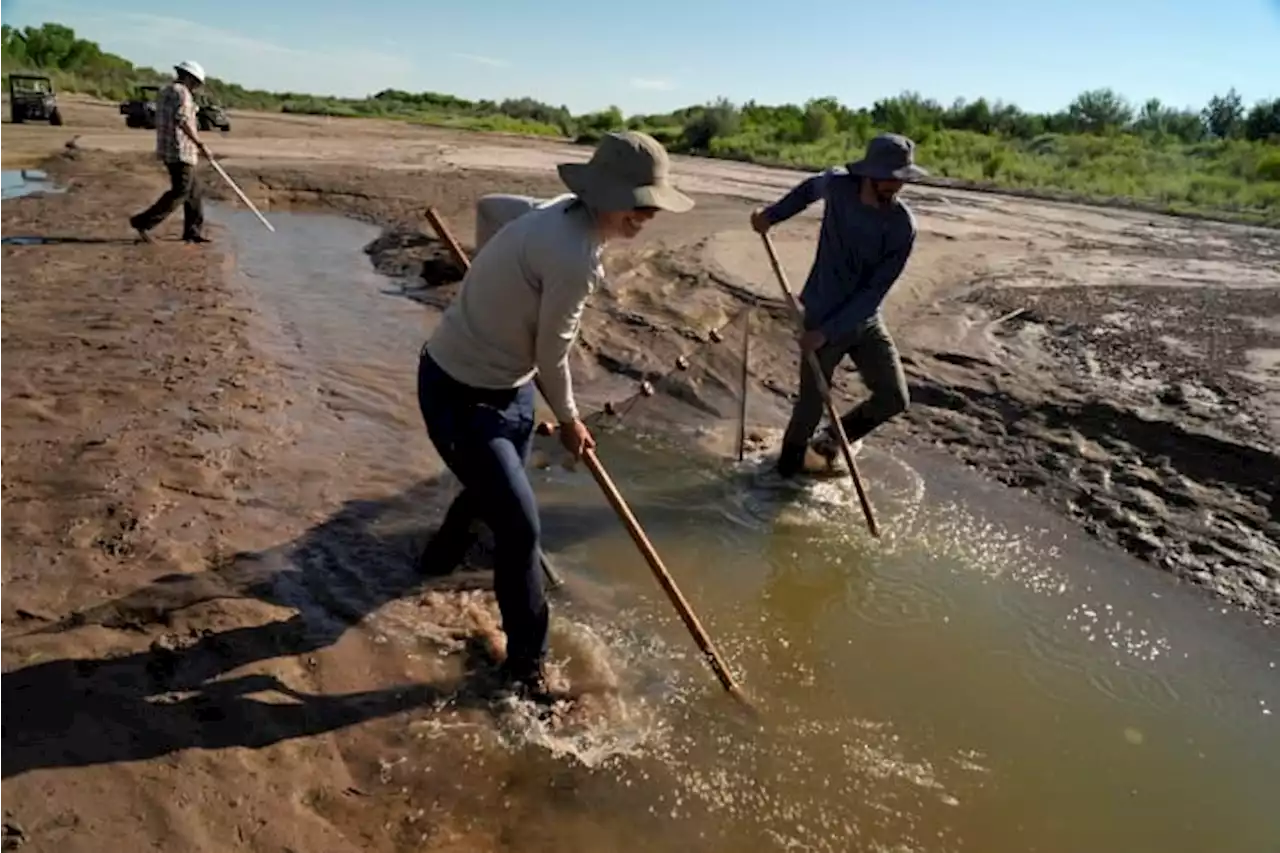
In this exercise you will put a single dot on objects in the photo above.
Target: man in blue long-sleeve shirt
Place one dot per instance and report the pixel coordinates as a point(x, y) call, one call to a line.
point(866, 238)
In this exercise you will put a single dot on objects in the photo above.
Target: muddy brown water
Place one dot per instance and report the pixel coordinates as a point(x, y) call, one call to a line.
point(984, 678)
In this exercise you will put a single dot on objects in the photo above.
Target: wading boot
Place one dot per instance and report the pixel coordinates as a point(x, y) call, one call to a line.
point(527, 679)
point(143, 235)
point(790, 460)
point(827, 446)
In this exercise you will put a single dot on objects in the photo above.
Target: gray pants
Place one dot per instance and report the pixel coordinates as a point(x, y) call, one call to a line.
point(876, 357)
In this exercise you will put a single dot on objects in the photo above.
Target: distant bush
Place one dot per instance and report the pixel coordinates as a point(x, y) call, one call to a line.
point(1269, 167)
point(715, 121)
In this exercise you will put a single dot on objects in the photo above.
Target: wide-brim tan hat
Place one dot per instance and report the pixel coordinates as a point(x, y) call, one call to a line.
point(628, 170)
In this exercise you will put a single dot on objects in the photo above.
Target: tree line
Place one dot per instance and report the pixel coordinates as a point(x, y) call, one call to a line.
point(1223, 157)
point(55, 47)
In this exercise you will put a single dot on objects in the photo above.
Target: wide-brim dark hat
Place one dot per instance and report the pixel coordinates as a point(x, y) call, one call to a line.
point(890, 157)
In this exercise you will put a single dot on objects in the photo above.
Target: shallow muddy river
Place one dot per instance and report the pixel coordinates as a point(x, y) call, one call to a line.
point(982, 679)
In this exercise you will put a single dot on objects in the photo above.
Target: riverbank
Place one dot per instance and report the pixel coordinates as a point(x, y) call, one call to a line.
point(169, 514)
point(138, 427)
point(1119, 367)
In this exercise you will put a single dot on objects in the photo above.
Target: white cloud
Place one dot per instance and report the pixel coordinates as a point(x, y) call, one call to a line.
point(483, 60)
point(180, 29)
point(652, 84)
point(161, 40)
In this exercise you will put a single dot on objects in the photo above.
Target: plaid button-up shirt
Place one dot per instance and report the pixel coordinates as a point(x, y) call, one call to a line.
point(173, 104)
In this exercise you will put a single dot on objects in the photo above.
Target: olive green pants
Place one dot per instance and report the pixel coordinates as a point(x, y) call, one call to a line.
point(874, 353)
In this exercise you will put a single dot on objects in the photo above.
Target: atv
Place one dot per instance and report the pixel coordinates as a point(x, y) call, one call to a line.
point(31, 98)
point(140, 111)
point(209, 115)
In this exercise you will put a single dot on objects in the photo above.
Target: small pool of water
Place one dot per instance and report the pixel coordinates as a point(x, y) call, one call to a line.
point(985, 678)
point(16, 183)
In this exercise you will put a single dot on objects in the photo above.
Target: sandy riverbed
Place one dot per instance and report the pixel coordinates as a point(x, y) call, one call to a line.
point(1120, 367)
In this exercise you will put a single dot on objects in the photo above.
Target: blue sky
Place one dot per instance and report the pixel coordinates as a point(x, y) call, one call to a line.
point(657, 55)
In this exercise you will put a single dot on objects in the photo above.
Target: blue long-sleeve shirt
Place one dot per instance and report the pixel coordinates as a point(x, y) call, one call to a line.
point(861, 251)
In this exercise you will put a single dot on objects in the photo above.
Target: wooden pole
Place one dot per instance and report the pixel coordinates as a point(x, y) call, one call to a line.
point(665, 580)
point(244, 198)
point(628, 519)
point(446, 237)
point(742, 399)
point(659, 569)
point(824, 388)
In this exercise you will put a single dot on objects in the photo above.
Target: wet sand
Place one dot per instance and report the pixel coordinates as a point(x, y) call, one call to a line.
point(158, 462)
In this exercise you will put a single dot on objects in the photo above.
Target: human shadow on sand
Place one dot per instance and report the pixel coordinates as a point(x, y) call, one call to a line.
point(364, 555)
point(77, 713)
point(70, 713)
point(52, 240)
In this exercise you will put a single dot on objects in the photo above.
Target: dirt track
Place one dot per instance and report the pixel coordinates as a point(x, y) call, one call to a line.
point(1119, 366)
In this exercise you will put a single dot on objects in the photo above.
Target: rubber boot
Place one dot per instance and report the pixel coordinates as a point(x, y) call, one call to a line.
point(527, 679)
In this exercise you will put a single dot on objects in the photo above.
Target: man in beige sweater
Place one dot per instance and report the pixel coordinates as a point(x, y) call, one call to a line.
point(516, 316)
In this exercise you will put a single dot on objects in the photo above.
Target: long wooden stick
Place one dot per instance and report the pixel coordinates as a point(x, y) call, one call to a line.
point(629, 521)
point(244, 198)
point(742, 400)
point(446, 237)
point(824, 388)
point(659, 569)
point(461, 259)
point(700, 636)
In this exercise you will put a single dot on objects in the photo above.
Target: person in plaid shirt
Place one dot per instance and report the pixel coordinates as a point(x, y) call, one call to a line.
point(178, 145)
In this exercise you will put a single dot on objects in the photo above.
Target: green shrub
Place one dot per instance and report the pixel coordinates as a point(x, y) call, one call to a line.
point(1172, 159)
point(1269, 167)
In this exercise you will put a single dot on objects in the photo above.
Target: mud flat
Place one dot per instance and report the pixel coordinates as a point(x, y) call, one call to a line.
point(214, 640)
point(161, 529)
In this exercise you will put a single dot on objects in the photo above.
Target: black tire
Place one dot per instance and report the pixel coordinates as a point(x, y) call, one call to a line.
point(17, 117)
point(55, 117)
point(202, 123)
point(226, 128)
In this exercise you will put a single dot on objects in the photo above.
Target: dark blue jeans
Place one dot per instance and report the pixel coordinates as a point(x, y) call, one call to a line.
point(484, 436)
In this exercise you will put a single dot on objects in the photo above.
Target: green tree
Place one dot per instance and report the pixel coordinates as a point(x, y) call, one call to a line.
point(909, 114)
point(1263, 121)
point(1099, 111)
point(717, 120)
point(976, 117)
point(1161, 122)
point(1224, 115)
point(819, 120)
